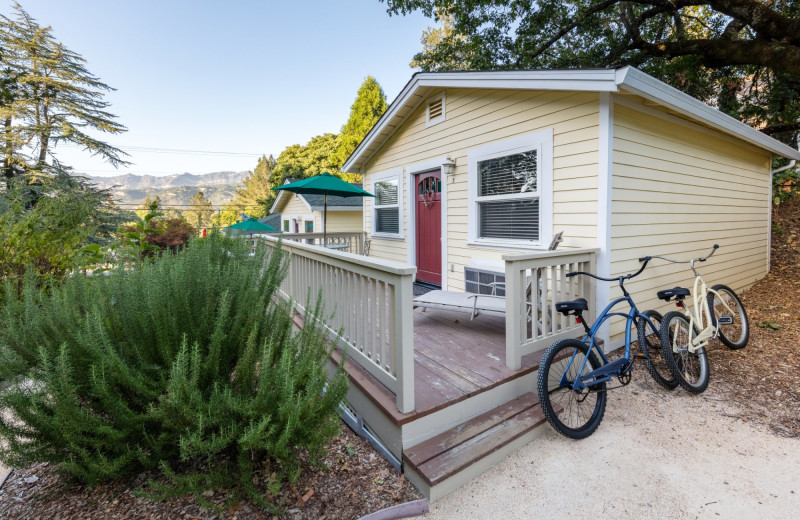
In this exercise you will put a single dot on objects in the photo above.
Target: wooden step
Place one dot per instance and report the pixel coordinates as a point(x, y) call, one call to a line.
point(442, 463)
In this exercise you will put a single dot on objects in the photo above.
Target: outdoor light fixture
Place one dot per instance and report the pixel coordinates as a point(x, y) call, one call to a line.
point(449, 166)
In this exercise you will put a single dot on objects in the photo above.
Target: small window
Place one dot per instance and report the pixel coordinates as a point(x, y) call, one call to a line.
point(387, 208)
point(286, 226)
point(435, 110)
point(309, 226)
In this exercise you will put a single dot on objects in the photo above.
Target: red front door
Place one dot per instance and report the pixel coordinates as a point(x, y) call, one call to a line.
point(429, 227)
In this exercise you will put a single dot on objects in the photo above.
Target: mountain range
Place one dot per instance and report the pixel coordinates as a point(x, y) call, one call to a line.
point(174, 190)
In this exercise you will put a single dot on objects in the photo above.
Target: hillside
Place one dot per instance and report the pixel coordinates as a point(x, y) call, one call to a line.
point(174, 190)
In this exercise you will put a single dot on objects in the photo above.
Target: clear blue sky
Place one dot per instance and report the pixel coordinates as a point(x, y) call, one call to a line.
point(249, 77)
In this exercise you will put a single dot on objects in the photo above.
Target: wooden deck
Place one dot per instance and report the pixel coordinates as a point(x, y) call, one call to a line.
point(454, 359)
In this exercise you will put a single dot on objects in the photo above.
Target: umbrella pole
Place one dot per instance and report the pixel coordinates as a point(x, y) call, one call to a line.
point(325, 222)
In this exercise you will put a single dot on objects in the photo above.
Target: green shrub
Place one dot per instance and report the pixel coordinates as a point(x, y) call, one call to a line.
point(189, 358)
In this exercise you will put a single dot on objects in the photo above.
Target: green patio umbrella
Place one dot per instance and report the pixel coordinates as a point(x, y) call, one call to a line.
point(325, 184)
point(251, 226)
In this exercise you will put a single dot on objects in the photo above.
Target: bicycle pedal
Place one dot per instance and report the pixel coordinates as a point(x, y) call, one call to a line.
point(725, 320)
point(641, 355)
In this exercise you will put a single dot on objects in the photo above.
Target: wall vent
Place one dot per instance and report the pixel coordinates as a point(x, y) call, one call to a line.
point(478, 281)
point(435, 113)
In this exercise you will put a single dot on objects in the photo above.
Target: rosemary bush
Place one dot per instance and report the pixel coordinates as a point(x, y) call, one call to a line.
point(190, 358)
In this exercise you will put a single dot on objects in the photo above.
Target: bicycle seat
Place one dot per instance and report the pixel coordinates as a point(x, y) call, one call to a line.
point(679, 293)
point(573, 307)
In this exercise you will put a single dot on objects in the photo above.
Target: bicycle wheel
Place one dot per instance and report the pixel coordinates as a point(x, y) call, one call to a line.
point(573, 414)
point(690, 369)
point(650, 346)
point(736, 334)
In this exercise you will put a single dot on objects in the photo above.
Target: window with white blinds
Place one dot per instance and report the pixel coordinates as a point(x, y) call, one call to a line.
point(508, 198)
point(386, 216)
point(510, 191)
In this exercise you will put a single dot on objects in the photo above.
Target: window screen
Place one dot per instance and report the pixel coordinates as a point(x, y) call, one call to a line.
point(387, 208)
point(508, 175)
point(508, 201)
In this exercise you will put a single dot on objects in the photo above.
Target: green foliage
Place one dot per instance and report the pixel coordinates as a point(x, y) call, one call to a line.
point(253, 197)
point(49, 96)
point(45, 221)
point(202, 213)
point(303, 161)
point(188, 359)
point(135, 236)
point(369, 106)
point(742, 56)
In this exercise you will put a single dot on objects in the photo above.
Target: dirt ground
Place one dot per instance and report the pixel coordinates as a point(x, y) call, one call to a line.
point(731, 452)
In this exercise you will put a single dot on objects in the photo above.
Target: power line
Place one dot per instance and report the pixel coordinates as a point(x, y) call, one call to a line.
point(153, 149)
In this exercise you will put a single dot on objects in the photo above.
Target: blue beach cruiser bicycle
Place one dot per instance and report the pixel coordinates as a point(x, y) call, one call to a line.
point(573, 374)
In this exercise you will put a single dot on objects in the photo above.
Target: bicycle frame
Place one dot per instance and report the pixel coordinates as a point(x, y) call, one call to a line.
point(700, 314)
point(609, 369)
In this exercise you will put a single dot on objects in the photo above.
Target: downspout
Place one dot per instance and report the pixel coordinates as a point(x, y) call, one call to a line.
point(771, 198)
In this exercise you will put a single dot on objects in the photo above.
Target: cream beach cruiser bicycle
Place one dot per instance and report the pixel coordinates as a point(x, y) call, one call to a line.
point(717, 313)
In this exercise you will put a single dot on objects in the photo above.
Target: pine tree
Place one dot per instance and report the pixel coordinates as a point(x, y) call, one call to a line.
point(49, 97)
point(369, 106)
point(201, 214)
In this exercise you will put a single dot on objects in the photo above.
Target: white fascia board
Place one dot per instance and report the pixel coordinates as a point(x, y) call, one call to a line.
point(638, 82)
point(275, 204)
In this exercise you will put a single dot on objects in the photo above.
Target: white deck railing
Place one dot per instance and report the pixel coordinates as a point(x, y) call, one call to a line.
point(371, 303)
point(534, 283)
point(348, 242)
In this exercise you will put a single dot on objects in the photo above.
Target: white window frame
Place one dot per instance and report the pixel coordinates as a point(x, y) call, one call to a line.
point(542, 142)
point(428, 121)
point(393, 174)
point(307, 219)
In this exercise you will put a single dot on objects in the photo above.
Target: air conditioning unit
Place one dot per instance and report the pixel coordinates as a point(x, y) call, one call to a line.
point(480, 281)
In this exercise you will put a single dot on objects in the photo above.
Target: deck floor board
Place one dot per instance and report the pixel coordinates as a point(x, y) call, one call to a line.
point(466, 354)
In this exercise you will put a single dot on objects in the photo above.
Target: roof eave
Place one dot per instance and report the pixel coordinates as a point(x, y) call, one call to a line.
point(637, 82)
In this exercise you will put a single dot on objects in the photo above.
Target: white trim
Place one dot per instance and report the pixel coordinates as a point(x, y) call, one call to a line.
point(411, 250)
point(604, 204)
point(541, 141)
point(431, 122)
point(394, 173)
point(649, 87)
point(596, 80)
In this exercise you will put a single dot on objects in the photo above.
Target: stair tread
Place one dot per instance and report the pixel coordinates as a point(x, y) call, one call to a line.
point(443, 442)
point(452, 451)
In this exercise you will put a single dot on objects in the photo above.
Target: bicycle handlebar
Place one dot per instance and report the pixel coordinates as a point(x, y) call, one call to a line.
point(702, 259)
point(619, 279)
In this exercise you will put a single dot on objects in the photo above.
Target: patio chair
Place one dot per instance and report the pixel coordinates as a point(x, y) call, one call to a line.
point(477, 304)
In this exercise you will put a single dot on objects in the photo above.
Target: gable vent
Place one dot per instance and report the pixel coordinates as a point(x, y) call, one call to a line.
point(435, 110)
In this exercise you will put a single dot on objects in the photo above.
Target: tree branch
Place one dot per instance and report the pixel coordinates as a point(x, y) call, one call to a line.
point(781, 128)
point(715, 53)
point(578, 20)
point(768, 23)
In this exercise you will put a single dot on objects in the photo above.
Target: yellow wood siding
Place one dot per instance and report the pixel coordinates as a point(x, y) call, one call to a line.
point(340, 221)
point(476, 117)
point(678, 189)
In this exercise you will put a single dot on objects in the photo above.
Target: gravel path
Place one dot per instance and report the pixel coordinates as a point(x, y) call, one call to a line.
point(655, 455)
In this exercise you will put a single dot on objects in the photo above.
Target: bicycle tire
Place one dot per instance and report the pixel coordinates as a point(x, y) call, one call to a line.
point(650, 346)
point(736, 335)
point(690, 369)
point(573, 414)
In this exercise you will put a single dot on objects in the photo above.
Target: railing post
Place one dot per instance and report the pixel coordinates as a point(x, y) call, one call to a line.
point(515, 285)
point(404, 342)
